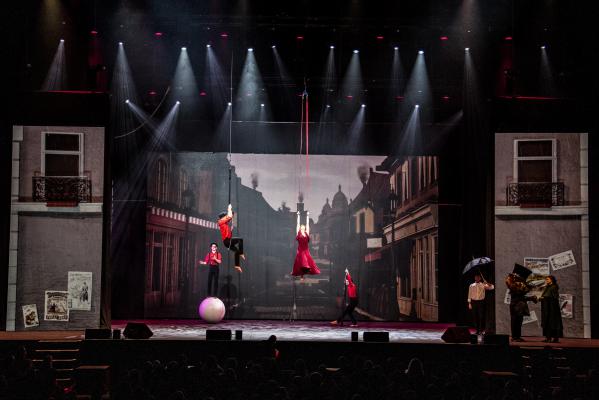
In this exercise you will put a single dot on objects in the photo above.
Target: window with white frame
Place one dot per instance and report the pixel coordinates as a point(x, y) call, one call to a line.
point(535, 160)
point(62, 154)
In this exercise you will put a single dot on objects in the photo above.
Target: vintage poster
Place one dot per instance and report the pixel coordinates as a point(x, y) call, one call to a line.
point(566, 305)
point(56, 306)
point(562, 260)
point(540, 269)
point(30, 318)
point(80, 290)
point(507, 299)
point(530, 318)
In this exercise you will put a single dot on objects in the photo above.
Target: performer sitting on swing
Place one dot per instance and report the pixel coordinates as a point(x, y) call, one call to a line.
point(234, 244)
point(304, 264)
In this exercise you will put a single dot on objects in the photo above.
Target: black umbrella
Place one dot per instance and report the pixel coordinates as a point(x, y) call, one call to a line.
point(476, 262)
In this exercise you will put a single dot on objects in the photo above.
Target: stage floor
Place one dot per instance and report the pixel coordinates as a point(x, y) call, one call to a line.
point(305, 331)
point(293, 331)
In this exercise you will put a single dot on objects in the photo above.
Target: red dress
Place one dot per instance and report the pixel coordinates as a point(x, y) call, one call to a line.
point(304, 264)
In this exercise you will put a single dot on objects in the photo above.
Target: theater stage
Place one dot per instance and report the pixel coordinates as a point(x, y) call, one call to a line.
point(302, 331)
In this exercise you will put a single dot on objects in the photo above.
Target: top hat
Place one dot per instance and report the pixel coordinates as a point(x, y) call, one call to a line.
point(521, 270)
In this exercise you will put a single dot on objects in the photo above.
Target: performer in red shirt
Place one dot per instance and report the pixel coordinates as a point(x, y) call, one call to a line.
point(352, 294)
point(213, 260)
point(234, 244)
point(304, 264)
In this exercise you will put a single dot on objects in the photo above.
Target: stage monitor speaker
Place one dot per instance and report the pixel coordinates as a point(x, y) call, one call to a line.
point(102, 333)
point(354, 336)
point(238, 335)
point(218, 334)
point(500, 340)
point(116, 334)
point(375, 336)
point(137, 330)
point(456, 334)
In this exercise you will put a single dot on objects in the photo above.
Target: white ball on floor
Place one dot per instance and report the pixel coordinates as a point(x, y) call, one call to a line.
point(212, 310)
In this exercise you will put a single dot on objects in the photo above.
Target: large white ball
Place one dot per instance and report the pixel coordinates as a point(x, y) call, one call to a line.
point(212, 310)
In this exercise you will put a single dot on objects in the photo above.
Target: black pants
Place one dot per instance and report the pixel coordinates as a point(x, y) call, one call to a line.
point(516, 322)
point(478, 314)
point(349, 310)
point(213, 277)
point(235, 245)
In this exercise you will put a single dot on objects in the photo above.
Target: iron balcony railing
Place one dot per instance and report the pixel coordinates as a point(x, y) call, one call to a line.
point(62, 188)
point(535, 194)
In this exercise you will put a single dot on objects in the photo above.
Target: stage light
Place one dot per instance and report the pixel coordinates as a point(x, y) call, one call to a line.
point(224, 35)
point(380, 37)
point(299, 37)
point(508, 38)
point(363, 106)
point(250, 49)
point(417, 106)
point(273, 47)
point(183, 48)
point(420, 52)
point(396, 48)
point(158, 34)
point(331, 47)
point(445, 98)
point(444, 38)
point(127, 101)
point(467, 49)
point(542, 47)
point(120, 43)
point(94, 32)
point(356, 51)
point(208, 46)
point(177, 102)
point(203, 93)
point(229, 104)
point(261, 104)
point(328, 106)
point(61, 40)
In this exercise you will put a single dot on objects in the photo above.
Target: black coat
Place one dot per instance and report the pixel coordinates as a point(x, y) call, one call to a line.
point(518, 303)
point(551, 314)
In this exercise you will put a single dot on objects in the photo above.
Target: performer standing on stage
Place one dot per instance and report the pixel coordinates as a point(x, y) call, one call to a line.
point(234, 244)
point(551, 313)
point(476, 301)
point(352, 294)
point(516, 282)
point(213, 259)
point(304, 264)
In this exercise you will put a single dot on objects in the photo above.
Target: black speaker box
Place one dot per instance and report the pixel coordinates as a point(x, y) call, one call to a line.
point(456, 334)
point(375, 336)
point(137, 330)
point(354, 336)
point(238, 335)
point(501, 340)
point(218, 334)
point(102, 333)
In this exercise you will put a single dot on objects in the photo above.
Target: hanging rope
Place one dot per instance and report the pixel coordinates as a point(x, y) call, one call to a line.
point(230, 123)
point(304, 128)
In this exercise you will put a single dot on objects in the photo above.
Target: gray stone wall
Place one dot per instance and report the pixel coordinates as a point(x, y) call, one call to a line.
point(516, 238)
point(49, 246)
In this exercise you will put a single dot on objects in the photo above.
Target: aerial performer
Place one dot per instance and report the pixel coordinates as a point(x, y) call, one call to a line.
point(304, 264)
point(234, 244)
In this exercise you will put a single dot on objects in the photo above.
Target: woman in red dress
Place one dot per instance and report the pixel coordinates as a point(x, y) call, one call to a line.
point(304, 264)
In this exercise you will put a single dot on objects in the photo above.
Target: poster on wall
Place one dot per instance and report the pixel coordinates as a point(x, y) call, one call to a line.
point(56, 305)
point(530, 318)
point(80, 290)
point(566, 305)
point(507, 299)
point(562, 260)
point(540, 270)
point(30, 318)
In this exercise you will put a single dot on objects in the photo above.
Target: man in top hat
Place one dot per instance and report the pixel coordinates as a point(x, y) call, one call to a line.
point(516, 282)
